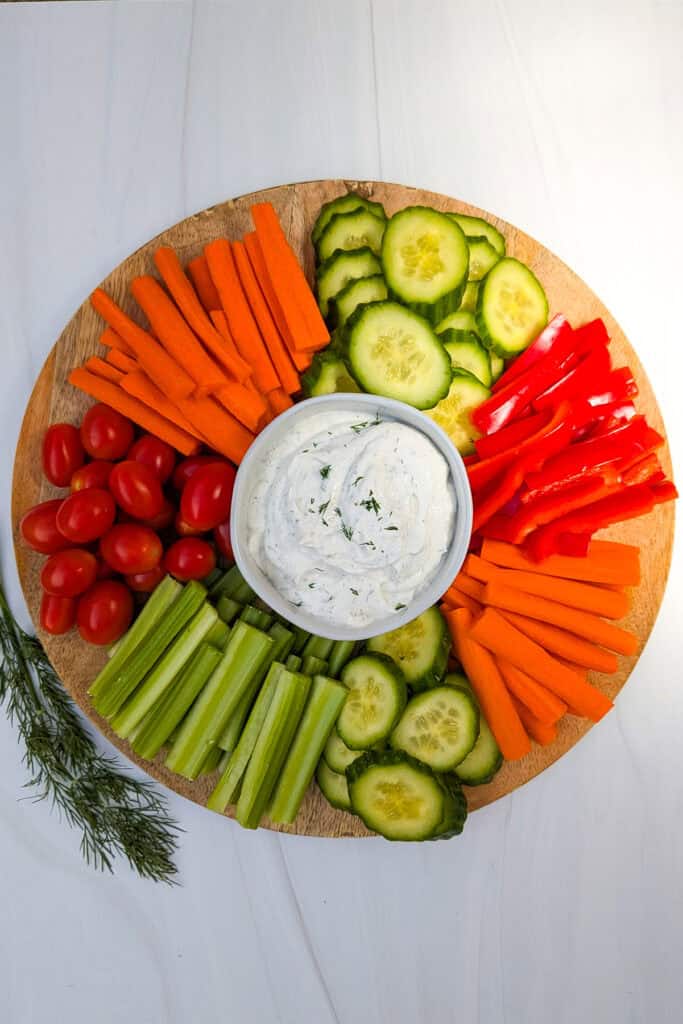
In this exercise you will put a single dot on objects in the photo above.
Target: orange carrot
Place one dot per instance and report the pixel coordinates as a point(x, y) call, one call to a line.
point(221, 430)
point(472, 588)
point(103, 369)
point(198, 269)
point(279, 401)
point(500, 636)
point(587, 597)
point(584, 624)
point(144, 390)
point(277, 350)
point(301, 359)
point(164, 371)
point(454, 598)
point(148, 419)
point(541, 702)
point(564, 644)
point(242, 325)
point(542, 732)
point(248, 406)
point(121, 361)
point(110, 339)
point(606, 562)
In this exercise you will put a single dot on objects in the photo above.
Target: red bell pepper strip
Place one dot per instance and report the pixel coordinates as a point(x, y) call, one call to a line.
point(662, 492)
point(550, 507)
point(573, 544)
point(593, 333)
point(644, 470)
point(518, 431)
point(581, 381)
point(483, 472)
point(558, 328)
point(618, 387)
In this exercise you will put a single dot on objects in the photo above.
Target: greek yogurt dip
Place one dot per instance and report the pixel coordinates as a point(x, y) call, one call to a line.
point(350, 518)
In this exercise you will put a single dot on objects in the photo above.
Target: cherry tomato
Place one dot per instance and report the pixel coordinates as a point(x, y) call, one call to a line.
point(93, 474)
point(136, 489)
point(62, 453)
point(104, 612)
point(183, 530)
point(86, 515)
point(69, 573)
point(143, 582)
point(207, 496)
point(221, 536)
point(164, 518)
point(105, 433)
point(104, 570)
point(131, 548)
point(190, 559)
point(57, 614)
point(38, 527)
point(156, 454)
point(188, 467)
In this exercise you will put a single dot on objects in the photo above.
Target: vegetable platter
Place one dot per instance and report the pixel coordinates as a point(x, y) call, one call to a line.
point(298, 207)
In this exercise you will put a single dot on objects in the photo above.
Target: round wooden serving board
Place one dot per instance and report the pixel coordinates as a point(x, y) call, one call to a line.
point(53, 400)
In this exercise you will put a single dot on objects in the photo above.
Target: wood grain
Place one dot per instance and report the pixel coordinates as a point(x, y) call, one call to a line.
point(53, 400)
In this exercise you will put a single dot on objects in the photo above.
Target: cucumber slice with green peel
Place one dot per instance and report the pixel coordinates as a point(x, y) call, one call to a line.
point(483, 761)
point(477, 227)
point(482, 257)
point(468, 353)
point(455, 808)
point(497, 366)
point(468, 303)
point(458, 679)
point(344, 204)
point(461, 320)
point(328, 374)
point(438, 727)
point(396, 796)
point(426, 259)
point(342, 267)
point(337, 755)
point(394, 352)
point(453, 413)
point(333, 786)
point(512, 308)
point(420, 649)
point(376, 699)
point(345, 231)
point(358, 293)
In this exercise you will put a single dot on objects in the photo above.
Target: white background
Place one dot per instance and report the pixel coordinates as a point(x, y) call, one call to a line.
point(563, 902)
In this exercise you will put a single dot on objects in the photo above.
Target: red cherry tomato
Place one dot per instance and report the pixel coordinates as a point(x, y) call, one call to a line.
point(93, 474)
point(190, 559)
point(104, 612)
point(155, 453)
point(188, 467)
point(183, 530)
point(221, 536)
point(143, 582)
point(57, 614)
point(131, 548)
point(62, 453)
point(164, 518)
point(206, 499)
point(136, 489)
point(69, 573)
point(38, 528)
point(105, 433)
point(86, 515)
point(104, 570)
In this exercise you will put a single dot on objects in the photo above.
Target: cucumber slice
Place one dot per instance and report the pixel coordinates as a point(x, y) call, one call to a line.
point(453, 413)
point(394, 352)
point(355, 230)
point(396, 796)
point(511, 308)
point(461, 320)
point(482, 257)
point(341, 268)
point(468, 303)
point(426, 259)
point(344, 204)
point(458, 679)
point(467, 352)
point(497, 366)
point(333, 786)
point(337, 755)
point(420, 649)
point(477, 227)
point(376, 699)
point(327, 374)
point(484, 760)
point(438, 727)
point(358, 293)
point(455, 808)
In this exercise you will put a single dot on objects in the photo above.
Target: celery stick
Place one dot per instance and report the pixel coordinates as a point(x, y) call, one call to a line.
point(218, 635)
point(324, 704)
point(242, 659)
point(340, 654)
point(293, 663)
point(255, 617)
point(313, 666)
point(300, 639)
point(228, 609)
point(223, 763)
point(228, 582)
point(227, 785)
point(159, 726)
point(121, 675)
point(212, 760)
point(212, 579)
point(164, 672)
point(319, 647)
point(244, 594)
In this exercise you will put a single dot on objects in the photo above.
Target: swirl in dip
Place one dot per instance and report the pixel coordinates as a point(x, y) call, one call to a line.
point(349, 518)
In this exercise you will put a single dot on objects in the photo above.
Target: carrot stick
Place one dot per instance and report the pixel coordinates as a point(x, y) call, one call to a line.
point(454, 598)
point(121, 361)
point(221, 430)
point(103, 369)
point(110, 339)
point(248, 406)
point(156, 362)
point(148, 419)
point(180, 287)
point(144, 390)
point(584, 624)
point(301, 359)
point(472, 588)
point(487, 683)
point(499, 636)
point(606, 562)
point(541, 702)
point(279, 401)
point(564, 644)
point(242, 325)
point(542, 732)
point(585, 596)
point(198, 269)
point(175, 334)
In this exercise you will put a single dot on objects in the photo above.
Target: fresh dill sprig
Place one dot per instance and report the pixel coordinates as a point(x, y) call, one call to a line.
point(325, 471)
point(371, 504)
point(347, 530)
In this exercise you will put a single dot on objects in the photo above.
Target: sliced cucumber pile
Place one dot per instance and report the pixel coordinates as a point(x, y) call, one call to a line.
point(439, 727)
point(461, 320)
point(337, 755)
point(485, 758)
point(512, 308)
point(327, 374)
point(477, 227)
point(468, 303)
point(333, 786)
point(453, 413)
point(344, 204)
point(468, 353)
point(346, 231)
point(358, 292)
point(482, 257)
point(497, 365)
point(376, 699)
point(419, 649)
point(339, 269)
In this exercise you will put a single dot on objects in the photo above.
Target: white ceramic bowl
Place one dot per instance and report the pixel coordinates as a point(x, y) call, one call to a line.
point(368, 406)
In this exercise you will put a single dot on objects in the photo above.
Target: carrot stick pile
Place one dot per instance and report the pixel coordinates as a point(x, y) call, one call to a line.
point(228, 336)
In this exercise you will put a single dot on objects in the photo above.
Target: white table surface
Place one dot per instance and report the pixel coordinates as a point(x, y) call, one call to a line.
point(563, 902)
